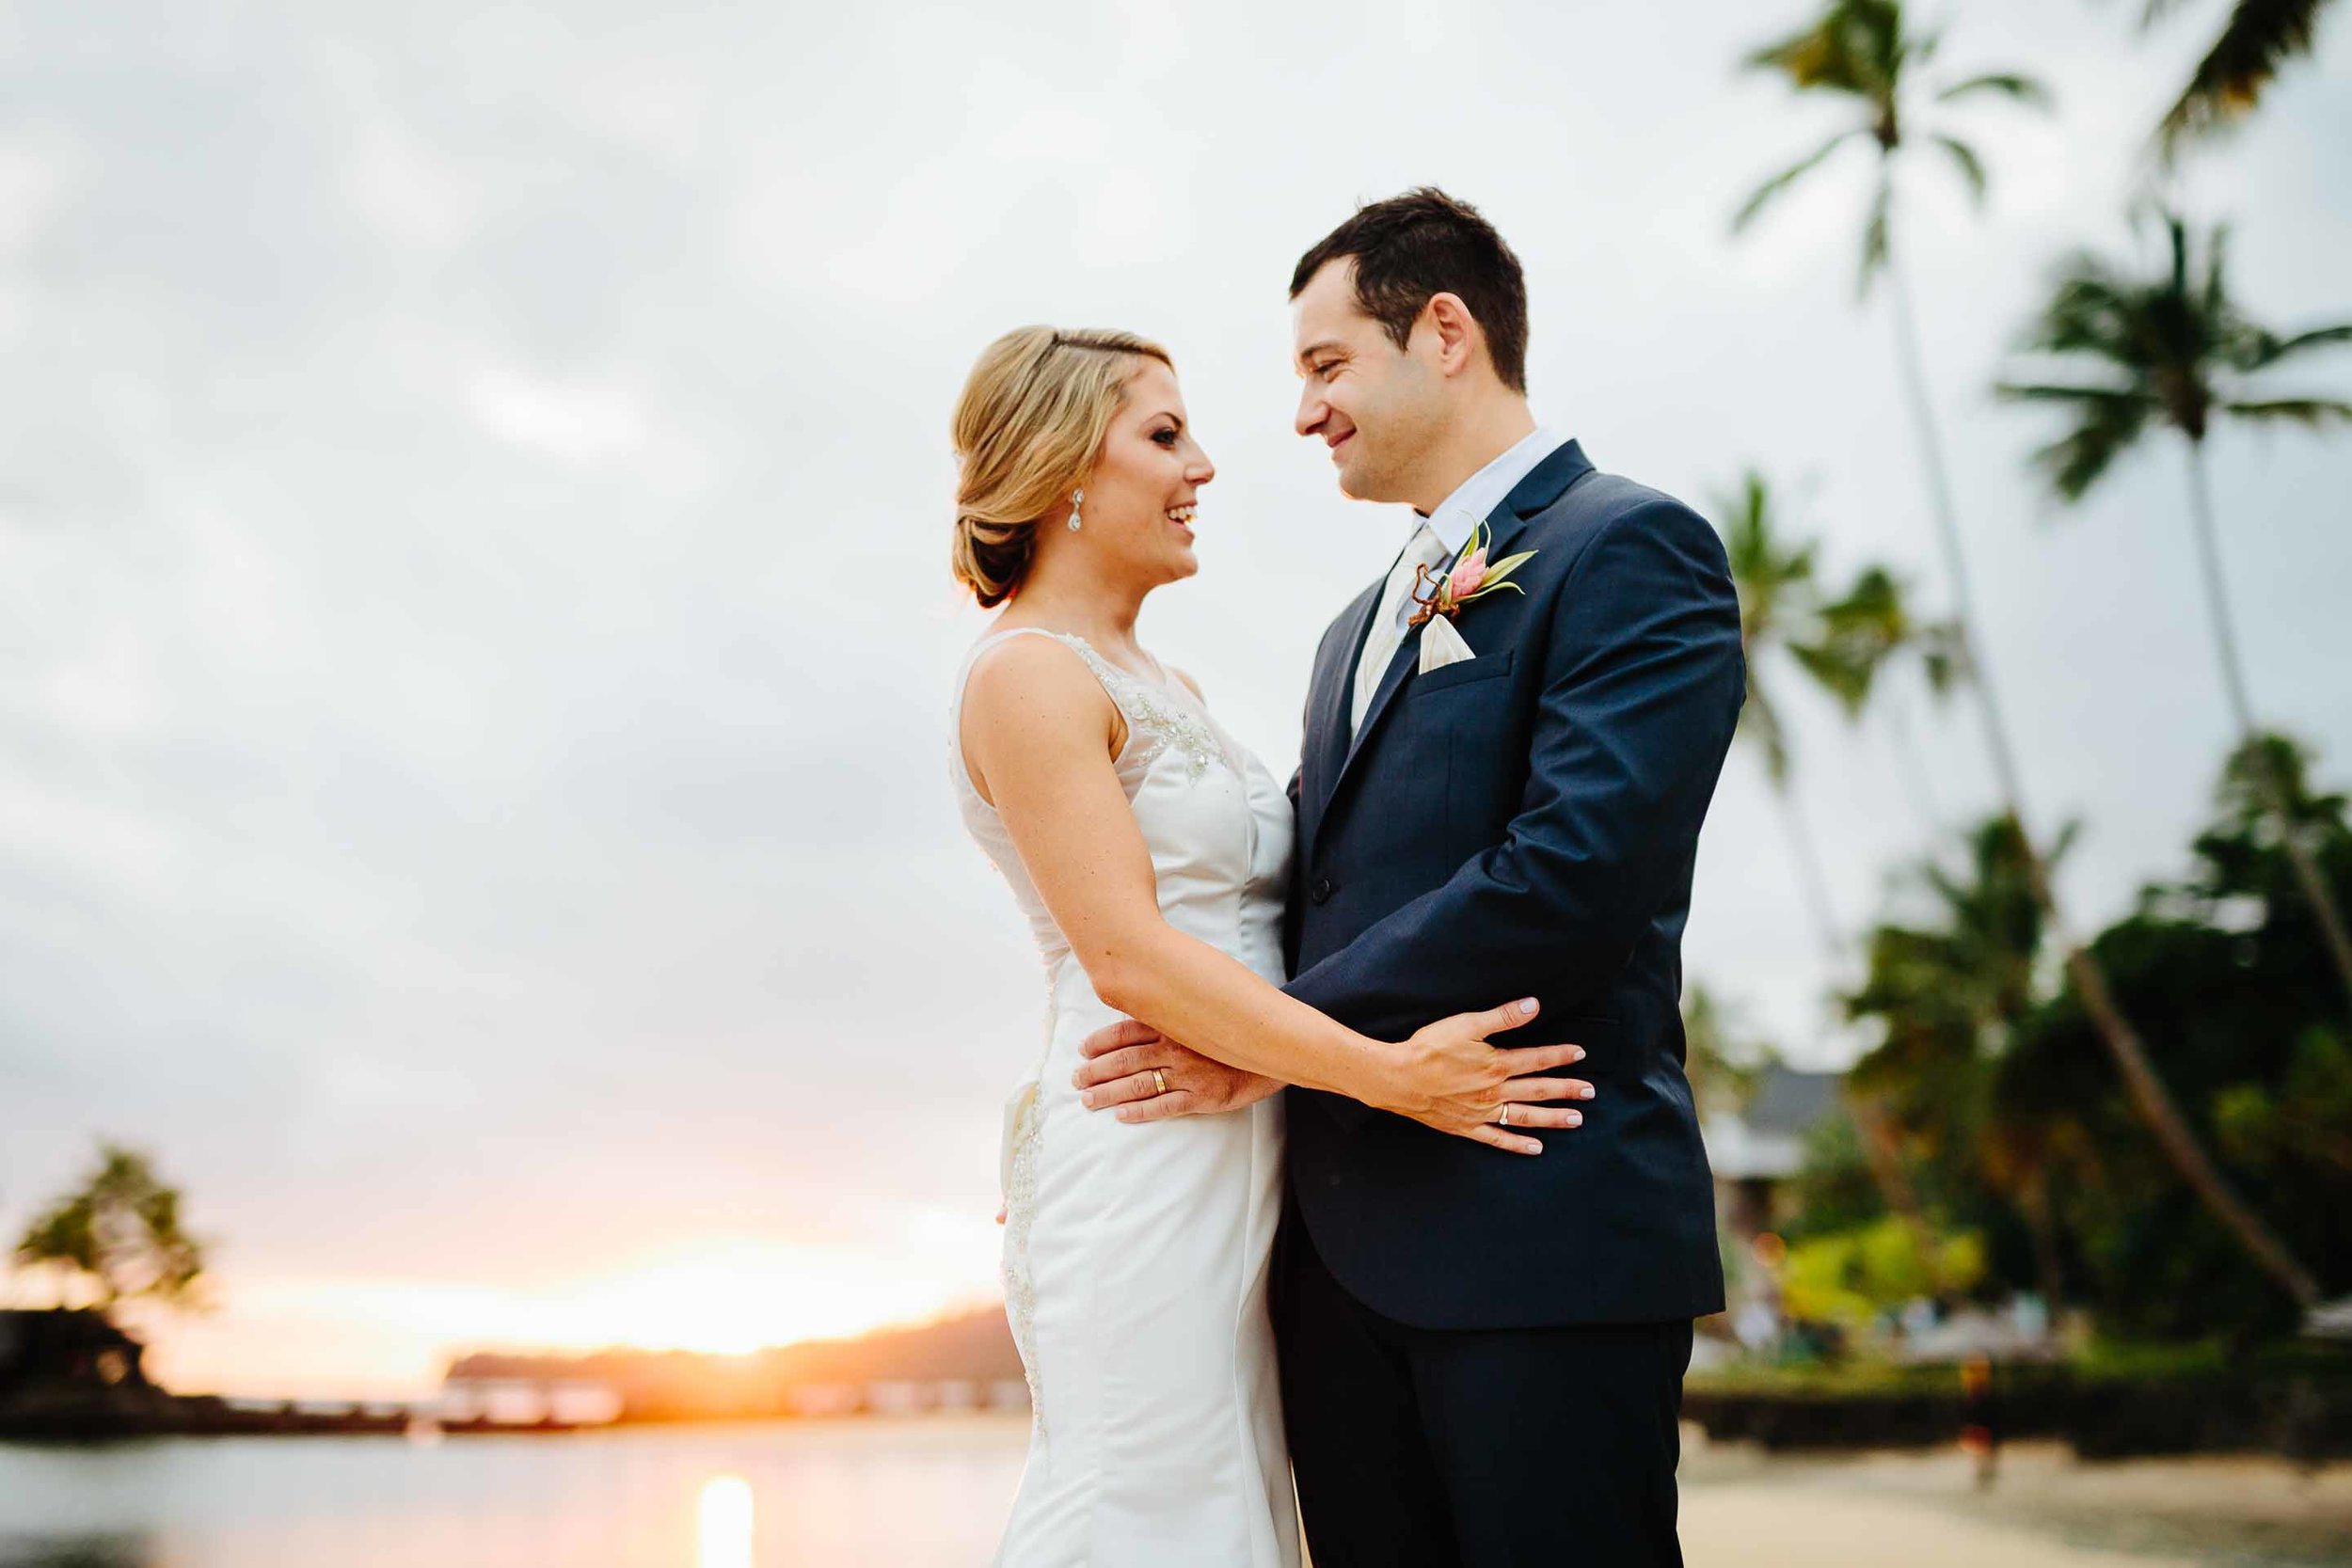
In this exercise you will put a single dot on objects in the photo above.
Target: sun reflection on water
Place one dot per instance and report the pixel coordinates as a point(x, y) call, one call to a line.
point(723, 1523)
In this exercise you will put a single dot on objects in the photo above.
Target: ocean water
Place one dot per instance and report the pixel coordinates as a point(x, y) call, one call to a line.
point(934, 1492)
point(913, 1494)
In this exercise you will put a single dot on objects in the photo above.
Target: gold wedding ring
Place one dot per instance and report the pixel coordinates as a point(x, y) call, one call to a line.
point(1159, 1082)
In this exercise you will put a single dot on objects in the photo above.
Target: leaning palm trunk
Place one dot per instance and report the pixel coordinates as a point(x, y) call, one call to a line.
point(2273, 789)
point(2148, 1097)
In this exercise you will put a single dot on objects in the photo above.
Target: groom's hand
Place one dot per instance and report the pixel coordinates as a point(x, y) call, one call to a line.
point(1149, 1077)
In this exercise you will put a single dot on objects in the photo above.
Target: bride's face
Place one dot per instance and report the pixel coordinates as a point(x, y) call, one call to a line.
point(1139, 498)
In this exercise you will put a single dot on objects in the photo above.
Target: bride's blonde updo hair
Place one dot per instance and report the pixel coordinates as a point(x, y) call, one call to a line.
point(1032, 415)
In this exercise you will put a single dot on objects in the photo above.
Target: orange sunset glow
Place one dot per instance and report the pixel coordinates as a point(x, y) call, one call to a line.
point(390, 1337)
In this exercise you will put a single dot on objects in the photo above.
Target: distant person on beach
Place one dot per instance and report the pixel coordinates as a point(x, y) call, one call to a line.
point(1457, 1304)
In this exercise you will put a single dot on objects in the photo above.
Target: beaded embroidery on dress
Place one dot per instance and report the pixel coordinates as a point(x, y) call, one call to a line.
point(1122, 1238)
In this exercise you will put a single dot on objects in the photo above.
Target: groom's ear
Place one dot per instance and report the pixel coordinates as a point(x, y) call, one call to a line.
point(1454, 335)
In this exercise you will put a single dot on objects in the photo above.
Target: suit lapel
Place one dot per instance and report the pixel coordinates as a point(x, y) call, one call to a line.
point(1544, 485)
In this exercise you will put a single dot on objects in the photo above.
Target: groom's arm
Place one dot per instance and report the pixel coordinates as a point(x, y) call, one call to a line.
point(1631, 731)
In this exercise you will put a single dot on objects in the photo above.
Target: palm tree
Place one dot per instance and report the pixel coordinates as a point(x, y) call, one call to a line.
point(1844, 644)
point(2174, 350)
point(1860, 51)
point(2260, 36)
point(1722, 1068)
point(1864, 632)
point(1946, 992)
point(1778, 610)
point(1781, 611)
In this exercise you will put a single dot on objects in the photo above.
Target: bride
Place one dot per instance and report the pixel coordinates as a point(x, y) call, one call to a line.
point(1150, 854)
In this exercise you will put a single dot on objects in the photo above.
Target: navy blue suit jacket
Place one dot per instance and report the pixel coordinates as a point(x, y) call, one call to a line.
point(1523, 824)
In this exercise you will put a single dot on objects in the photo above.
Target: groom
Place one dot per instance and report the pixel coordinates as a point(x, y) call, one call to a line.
point(1483, 1352)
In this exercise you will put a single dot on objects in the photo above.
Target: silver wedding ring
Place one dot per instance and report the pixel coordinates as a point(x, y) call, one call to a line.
point(1504, 1119)
point(1159, 1082)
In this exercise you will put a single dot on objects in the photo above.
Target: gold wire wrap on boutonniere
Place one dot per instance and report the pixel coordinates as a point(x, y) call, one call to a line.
point(1470, 581)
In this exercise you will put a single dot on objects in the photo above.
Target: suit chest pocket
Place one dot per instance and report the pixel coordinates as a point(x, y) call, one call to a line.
point(1469, 672)
point(1485, 749)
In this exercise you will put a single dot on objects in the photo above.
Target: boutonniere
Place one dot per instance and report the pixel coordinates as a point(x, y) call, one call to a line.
point(1470, 580)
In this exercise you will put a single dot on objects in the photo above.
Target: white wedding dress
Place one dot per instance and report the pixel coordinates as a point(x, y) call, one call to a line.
point(1135, 1256)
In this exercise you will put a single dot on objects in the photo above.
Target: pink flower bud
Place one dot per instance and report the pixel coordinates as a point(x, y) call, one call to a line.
point(1468, 573)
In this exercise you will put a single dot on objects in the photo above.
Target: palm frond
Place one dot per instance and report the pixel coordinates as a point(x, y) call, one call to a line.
point(1859, 633)
point(1764, 194)
point(2260, 36)
point(2089, 312)
point(1811, 60)
point(2008, 84)
point(1772, 577)
point(1971, 167)
point(1838, 671)
point(2271, 348)
point(2107, 422)
point(2314, 412)
point(1875, 602)
point(1854, 47)
point(2014, 391)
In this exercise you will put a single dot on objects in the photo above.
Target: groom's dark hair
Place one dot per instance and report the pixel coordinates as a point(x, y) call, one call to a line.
point(1425, 242)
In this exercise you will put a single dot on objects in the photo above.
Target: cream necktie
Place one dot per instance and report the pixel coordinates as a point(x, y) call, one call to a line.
point(1388, 623)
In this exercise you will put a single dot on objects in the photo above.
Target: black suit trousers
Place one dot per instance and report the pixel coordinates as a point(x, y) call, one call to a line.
point(1485, 1448)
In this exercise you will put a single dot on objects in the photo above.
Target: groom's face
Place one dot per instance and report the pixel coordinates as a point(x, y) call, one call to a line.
point(1379, 407)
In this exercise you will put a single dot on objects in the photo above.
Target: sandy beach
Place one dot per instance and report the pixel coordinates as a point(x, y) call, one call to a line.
point(2045, 1509)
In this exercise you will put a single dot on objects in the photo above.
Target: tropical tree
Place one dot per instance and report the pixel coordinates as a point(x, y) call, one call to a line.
point(1864, 633)
point(1842, 644)
point(1944, 991)
point(1862, 53)
point(2244, 1006)
point(119, 1235)
point(1721, 1061)
point(2174, 350)
point(2260, 36)
point(1779, 613)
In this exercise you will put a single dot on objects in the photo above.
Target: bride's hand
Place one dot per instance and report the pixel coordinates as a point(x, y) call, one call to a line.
point(1448, 1077)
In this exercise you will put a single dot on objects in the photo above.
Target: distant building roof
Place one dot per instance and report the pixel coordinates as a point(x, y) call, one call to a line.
point(1765, 1138)
point(1786, 1100)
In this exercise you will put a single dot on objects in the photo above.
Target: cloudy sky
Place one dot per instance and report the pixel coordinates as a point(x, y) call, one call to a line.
point(474, 635)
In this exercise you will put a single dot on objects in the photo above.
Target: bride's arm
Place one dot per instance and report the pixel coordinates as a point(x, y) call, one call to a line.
point(1039, 733)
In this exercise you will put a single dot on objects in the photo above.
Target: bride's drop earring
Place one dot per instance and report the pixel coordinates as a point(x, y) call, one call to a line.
point(1075, 496)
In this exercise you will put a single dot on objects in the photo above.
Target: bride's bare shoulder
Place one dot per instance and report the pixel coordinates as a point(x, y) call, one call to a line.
point(1024, 680)
point(1033, 699)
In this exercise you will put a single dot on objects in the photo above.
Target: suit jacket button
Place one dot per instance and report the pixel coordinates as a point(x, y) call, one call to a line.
point(1321, 892)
